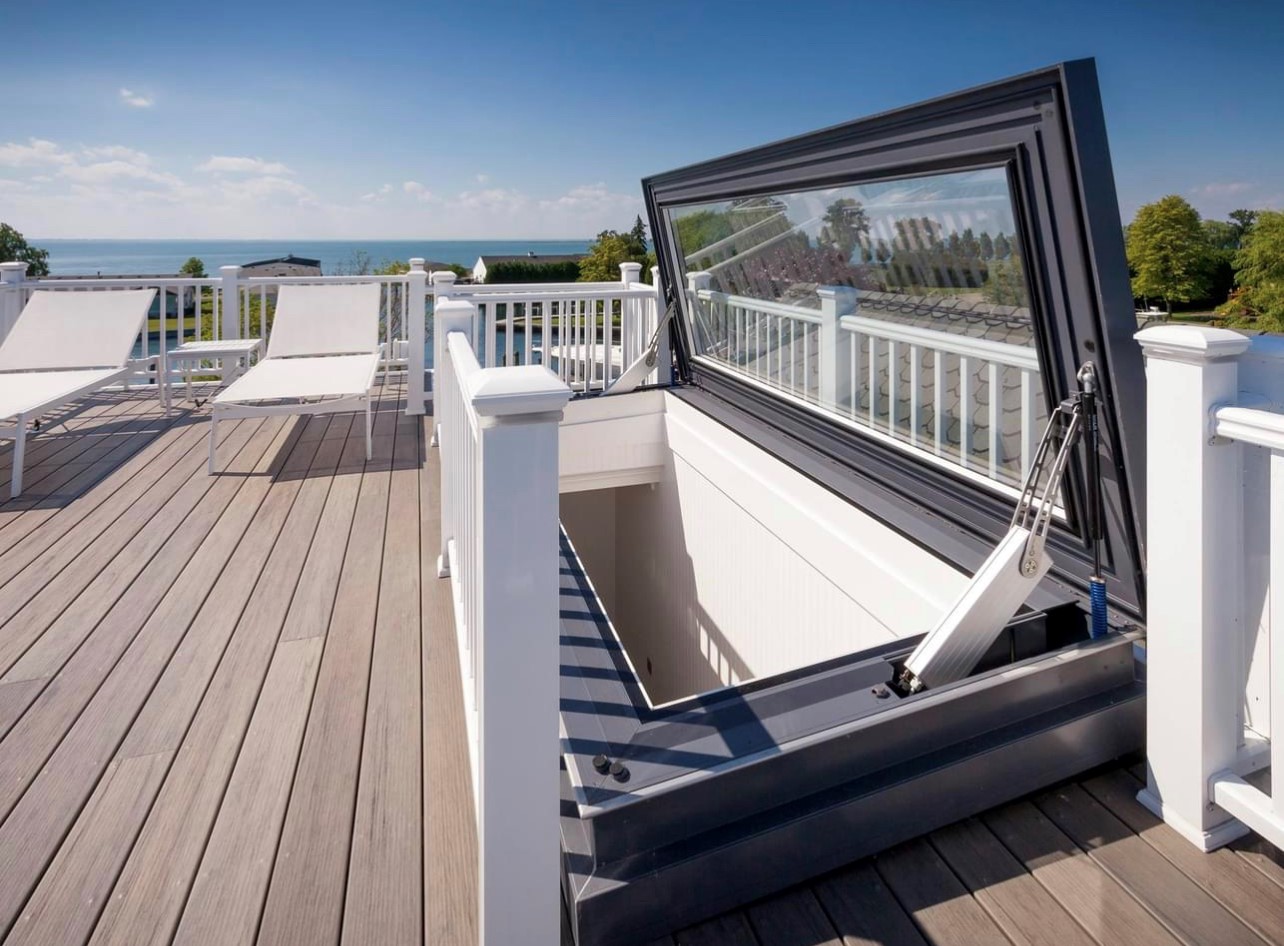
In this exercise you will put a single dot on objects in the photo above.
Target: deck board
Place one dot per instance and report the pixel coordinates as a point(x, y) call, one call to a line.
point(231, 713)
point(384, 901)
point(305, 895)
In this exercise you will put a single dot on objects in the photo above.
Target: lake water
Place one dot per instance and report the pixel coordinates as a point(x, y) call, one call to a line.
point(90, 257)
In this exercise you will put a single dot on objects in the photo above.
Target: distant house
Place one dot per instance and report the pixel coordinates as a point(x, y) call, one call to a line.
point(283, 266)
point(485, 262)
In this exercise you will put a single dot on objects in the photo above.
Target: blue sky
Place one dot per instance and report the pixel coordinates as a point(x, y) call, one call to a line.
point(489, 120)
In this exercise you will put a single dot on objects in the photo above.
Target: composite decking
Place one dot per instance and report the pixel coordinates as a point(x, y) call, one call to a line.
point(230, 713)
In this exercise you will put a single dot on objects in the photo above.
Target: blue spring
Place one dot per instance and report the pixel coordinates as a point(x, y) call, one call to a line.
point(1097, 591)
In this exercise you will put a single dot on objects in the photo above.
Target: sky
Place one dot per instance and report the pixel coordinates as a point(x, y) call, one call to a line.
point(488, 120)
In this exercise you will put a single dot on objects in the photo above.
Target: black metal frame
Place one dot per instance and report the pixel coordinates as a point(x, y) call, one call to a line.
point(1047, 128)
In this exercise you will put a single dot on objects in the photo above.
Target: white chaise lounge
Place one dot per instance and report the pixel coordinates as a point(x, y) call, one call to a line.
point(63, 346)
point(322, 357)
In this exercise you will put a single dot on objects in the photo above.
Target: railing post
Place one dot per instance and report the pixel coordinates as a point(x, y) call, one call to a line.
point(230, 304)
point(1195, 559)
point(441, 286)
point(833, 355)
point(448, 316)
point(697, 283)
point(630, 273)
point(416, 307)
point(11, 278)
point(519, 790)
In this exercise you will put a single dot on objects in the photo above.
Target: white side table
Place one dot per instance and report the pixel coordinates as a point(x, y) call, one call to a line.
point(232, 354)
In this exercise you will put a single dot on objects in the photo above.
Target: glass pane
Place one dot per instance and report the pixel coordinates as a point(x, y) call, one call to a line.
point(899, 306)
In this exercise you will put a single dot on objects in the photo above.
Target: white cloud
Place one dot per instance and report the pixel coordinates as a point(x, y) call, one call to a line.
point(226, 164)
point(483, 178)
point(117, 153)
point(1223, 188)
point(35, 153)
point(136, 99)
point(113, 190)
point(417, 191)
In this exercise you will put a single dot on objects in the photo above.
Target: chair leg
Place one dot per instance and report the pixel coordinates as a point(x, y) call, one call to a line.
point(369, 439)
point(19, 450)
point(213, 439)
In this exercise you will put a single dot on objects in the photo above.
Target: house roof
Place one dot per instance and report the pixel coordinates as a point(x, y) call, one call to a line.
point(291, 258)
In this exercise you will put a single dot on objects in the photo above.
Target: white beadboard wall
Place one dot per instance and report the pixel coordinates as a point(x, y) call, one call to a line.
point(734, 566)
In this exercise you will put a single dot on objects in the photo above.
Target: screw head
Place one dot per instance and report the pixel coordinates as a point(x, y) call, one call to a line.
point(602, 764)
point(880, 692)
point(619, 772)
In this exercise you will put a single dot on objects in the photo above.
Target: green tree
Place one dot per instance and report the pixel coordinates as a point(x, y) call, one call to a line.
point(1168, 252)
point(1242, 220)
point(986, 250)
point(637, 236)
point(1259, 273)
point(194, 268)
point(1221, 235)
point(609, 250)
point(844, 224)
point(1002, 247)
point(700, 229)
point(1005, 283)
point(15, 249)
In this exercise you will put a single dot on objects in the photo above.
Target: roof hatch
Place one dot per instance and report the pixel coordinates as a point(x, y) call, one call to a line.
point(892, 304)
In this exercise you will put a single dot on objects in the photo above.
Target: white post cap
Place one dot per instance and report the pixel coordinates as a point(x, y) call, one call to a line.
point(1196, 344)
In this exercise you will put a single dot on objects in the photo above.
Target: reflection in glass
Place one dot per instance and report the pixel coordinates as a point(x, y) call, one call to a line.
point(901, 306)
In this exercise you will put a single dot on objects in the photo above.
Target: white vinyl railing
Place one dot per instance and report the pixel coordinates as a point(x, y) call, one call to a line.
point(190, 309)
point(1215, 582)
point(922, 387)
point(498, 433)
point(586, 333)
point(174, 294)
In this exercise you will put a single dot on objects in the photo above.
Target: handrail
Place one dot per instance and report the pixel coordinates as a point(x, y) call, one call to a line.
point(1004, 353)
point(798, 313)
point(1250, 425)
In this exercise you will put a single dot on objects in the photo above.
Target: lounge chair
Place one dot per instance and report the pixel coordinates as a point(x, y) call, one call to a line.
point(64, 345)
point(321, 358)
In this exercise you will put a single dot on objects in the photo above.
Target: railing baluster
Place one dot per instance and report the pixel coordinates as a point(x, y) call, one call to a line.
point(892, 379)
point(965, 413)
point(916, 395)
point(873, 380)
point(994, 419)
point(853, 365)
point(1028, 432)
point(938, 401)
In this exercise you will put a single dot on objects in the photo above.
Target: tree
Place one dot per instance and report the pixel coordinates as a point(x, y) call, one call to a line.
point(1242, 221)
point(15, 249)
point(637, 237)
point(701, 228)
point(1005, 283)
point(1168, 252)
point(986, 251)
point(1002, 247)
point(194, 268)
point(844, 224)
point(1221, 235)
point(1259, 272)
point(609, 250)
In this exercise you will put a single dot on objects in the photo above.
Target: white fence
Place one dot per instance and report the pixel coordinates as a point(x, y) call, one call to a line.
point(586, 333)
point(1215, 581)
point(968, 401)
point(499, 516)
point(190, 309)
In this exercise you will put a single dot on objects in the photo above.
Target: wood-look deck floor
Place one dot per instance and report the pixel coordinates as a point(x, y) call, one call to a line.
point(230, 713)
